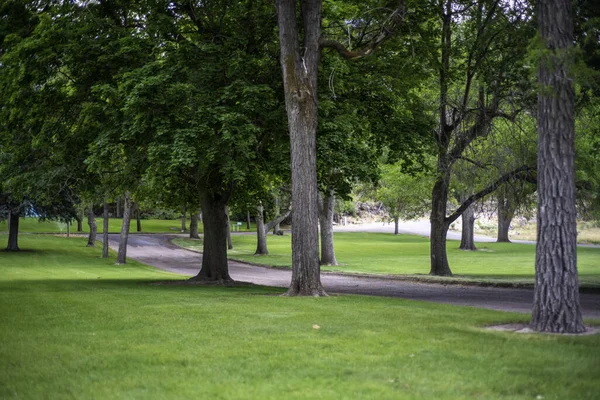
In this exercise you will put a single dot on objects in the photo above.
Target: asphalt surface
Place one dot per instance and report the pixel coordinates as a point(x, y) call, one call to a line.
point(158, 251)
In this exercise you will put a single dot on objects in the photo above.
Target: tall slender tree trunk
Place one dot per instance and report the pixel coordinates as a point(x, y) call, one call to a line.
point(276, 228)
point(261, 234)
point(183, 221)
point(105, 229)
point(396, 221)
point(467, 237)
point(194, 226)
point(439, 224)
point(300, 66)
point(138, 219)
point(248, 220)
point(214, 254)
point(93, 227)
point(229, 242)
point(122, 254)
point(326, 211)
point(79, 219)
point(505, 216)
point(556, 305)
point(13, 231)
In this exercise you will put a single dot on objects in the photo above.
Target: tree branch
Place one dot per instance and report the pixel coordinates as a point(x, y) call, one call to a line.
point(522, 172)
point(271, 224)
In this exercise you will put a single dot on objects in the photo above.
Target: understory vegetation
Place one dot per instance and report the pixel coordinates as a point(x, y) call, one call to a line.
point(74, 325)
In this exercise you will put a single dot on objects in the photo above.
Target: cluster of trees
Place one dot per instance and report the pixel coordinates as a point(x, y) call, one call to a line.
point(205, 105)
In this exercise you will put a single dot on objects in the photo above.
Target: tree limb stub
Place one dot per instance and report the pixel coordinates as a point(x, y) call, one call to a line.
point(390, 26)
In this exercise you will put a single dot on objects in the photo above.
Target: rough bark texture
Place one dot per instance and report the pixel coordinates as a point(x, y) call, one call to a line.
point(467, 240)
point(93, 227)
point(122, 254)
point(326, 211)
point(13, 232)
point(194, 226)
point(300, 66)
point(214, 252)
point(261, 234)
point(556, 295)
point(439, 224)
point(505, 216)
point(105, 230)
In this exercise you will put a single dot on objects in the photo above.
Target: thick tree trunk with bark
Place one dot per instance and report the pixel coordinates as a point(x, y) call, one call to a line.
point(183, 217)
point(505, 216)
point(194, 226)
point(556, 305)
point(300, 66)
point(467, 239)
point(122, 254)
point(439, 223)
point(13, 231)
point(214, 253)
point(93, 227)
point(326, 211)
point(261, 233)
point(105, 230)
point(229, 242)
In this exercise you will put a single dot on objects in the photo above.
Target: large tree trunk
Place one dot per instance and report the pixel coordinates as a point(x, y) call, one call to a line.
point(300, 67)
point(229, 241)
point(439, 224)
point(13, 231)
point(261, 234)
point(93, 227)
point(556, 305)
point(467, 239)
point(326, 211)
point(122, 254)
point(183, 221)
point(214, 253)
point(505, 216)
point(194, 226)
point(105, 230)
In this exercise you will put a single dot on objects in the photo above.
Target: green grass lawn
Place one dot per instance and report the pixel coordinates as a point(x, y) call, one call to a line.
point(32, 225)
point(73, 325)
point(383, 253)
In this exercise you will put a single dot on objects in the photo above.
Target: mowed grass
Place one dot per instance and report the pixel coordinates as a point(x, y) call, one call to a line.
point(73, 325)
point(33, 225)
point(383, 253)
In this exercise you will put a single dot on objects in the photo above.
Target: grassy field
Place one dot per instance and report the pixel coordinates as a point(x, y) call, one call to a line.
point(73, 325)
point(32, 225)
point(382, 253)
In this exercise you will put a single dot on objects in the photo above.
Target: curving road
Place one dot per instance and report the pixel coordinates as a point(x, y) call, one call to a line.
point(158, 251)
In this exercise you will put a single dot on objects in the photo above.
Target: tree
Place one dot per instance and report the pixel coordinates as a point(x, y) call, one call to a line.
point(556, 295)
point(300, 46)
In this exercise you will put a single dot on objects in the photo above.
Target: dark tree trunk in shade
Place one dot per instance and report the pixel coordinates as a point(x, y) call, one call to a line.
point(261, 234)
point(556, 305)
point(194, 226)
point(105, 230)
point(183, 217)
point(276, 227)
point(248, 220)
point(467, 239)
point(79, 219)
point(214, 253)
point(122, 254)
point(118, 213)
point(326, 211)
point(13, 232)
point(439, 223)
point(396, 221)
point(300, 67)
point(138, 218)
point(505, 216)
point(229, 242)
point(93, 227)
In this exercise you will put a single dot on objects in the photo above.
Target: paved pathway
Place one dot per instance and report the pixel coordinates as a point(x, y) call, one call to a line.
point(158, 251)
